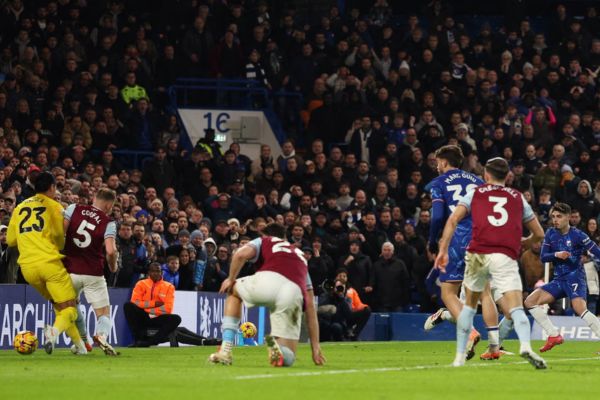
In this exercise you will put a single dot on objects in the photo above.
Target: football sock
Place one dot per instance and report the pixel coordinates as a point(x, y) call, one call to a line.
point(522, 327)
point(80, 322)
point(230, 327)
point(73, 333)
point(592, 321)
point(288, 356)
point(504, 329)
point(103, 326)
point(464, 324)
point(447, 316)
point(65, 318)
point(493, 336)
point(540, 316)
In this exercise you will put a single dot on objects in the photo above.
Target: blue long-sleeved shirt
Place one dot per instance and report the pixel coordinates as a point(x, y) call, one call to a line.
point(446, 190)
point(171, 277)
point(576, 242)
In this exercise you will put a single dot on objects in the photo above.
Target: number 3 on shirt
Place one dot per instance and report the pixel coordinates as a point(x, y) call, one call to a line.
point(499, 203)
point(457, 193)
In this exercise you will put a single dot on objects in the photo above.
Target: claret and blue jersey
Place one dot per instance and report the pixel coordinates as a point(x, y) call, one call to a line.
point(446, 191)
point(569, 275)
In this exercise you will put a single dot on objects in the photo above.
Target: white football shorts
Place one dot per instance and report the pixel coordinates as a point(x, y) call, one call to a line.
point(282, 296)
point(502, 270)
point(93, 287)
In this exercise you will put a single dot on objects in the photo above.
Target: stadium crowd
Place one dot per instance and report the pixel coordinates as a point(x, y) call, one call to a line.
point(381, 92)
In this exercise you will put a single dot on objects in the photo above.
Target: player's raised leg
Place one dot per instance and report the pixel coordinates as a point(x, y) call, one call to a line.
point(450, 291)
point(547, 294)
point(580, 307)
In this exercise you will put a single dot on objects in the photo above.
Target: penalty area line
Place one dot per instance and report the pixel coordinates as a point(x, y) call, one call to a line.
point(395, 369)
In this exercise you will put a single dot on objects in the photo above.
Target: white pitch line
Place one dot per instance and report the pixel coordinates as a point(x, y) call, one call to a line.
point(395, 369)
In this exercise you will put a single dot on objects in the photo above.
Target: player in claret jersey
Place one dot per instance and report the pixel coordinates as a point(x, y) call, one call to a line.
point(282, 284)
point(89, 229)
point(498, 214)
point(563, 246)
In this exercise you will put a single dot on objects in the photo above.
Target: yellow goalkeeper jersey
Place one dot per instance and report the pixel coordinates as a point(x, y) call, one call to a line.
point(36, 228)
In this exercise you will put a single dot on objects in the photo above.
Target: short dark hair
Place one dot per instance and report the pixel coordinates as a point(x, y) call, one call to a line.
point(562, 208)
point(274, 229)
point(451, 153)
point(497, 167)
point(44, 181)
point(154, 265)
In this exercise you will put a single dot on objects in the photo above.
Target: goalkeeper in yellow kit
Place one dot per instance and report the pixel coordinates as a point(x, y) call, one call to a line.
point(36, 227)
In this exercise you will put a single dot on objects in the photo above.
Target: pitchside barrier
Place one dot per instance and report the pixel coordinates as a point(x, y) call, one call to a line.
point(401, 326)
point(22, 308)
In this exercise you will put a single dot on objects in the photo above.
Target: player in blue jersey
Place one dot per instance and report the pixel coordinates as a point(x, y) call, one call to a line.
point(446, 190)
point(563, 246)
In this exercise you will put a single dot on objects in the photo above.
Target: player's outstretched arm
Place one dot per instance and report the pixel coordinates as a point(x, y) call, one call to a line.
point(313, 328)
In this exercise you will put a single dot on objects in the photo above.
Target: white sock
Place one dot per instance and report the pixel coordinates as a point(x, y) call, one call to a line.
point(504, 329)
point(523, 328)
point(493, 336)
point(464, 325)
point(540, 316)
point(103, 327)
point(447, 316)
point(592, 322)
point(80, 323)
point(229, 326)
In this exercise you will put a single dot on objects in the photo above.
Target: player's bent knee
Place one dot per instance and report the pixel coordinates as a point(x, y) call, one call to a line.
point(102, 311)
point(70, 313)
point(529, 303)
point(288, 356)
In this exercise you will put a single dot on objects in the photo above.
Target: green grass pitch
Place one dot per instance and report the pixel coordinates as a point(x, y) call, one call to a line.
point(383, 370)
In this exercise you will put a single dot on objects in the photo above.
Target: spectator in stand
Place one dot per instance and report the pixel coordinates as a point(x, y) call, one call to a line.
point(132, 256)
point(170, 271)
point(360, 270)
point(159, 173)
point(378, 100)
point(391, 281)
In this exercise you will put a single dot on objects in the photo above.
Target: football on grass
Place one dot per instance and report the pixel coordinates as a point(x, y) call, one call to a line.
point(248, 329)
point(25, 342)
